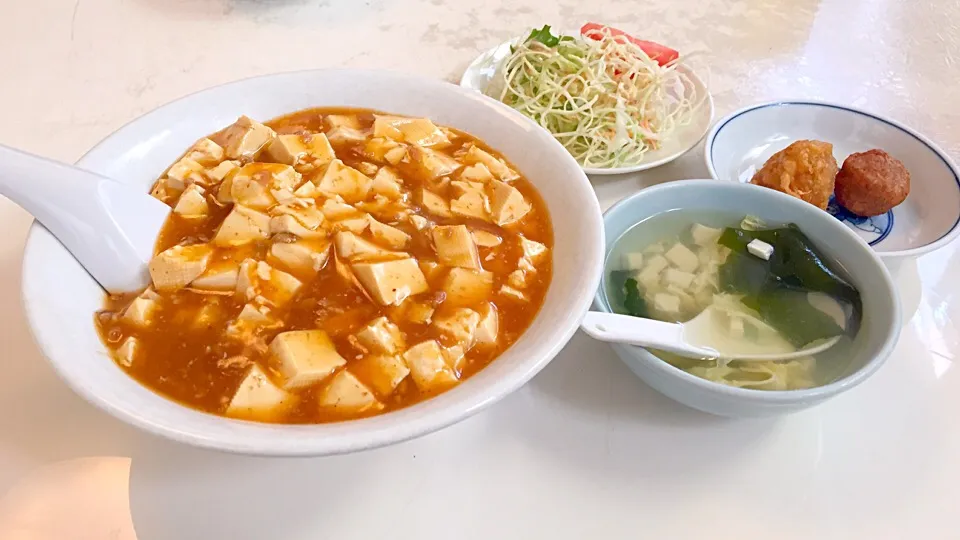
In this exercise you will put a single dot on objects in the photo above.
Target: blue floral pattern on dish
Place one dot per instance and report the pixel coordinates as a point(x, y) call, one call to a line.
point(872, 229)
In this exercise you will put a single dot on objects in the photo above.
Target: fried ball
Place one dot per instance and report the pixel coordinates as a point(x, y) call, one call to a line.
point(871, 183)
point(805, 169)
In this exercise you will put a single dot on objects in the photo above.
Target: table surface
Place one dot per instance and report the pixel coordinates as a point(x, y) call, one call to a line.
point(585, 450)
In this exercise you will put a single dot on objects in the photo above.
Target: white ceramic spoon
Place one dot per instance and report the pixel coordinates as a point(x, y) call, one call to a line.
point(111, 228)
point(703, 337)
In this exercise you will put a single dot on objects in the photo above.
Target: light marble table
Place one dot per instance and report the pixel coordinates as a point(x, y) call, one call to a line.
point(585, 450)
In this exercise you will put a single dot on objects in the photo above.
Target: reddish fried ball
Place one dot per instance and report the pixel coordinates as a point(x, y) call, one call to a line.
point(805, 169)
point(871, 183)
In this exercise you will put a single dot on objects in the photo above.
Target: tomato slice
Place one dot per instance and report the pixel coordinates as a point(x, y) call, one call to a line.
point(661, 54)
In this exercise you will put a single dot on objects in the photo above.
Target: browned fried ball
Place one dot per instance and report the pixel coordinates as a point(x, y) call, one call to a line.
point(871, 183)
point(805, 169)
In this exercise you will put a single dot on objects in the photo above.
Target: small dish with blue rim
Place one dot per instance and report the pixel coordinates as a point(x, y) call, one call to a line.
point(739, 144)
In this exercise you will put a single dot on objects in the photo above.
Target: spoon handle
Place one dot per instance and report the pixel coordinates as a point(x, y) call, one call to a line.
point(614, 328)
point(108, 226)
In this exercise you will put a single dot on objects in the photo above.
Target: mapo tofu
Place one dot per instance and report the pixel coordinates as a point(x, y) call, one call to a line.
point(332, 264)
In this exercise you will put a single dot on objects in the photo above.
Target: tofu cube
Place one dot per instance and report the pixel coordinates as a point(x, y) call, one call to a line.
point(335, 209)
point(419, 222)
point(465, 287)
point(458, 326)
point(346, 135)
point(303, 257)
point(251, 320)
point(389, 236)
point(485, 238)
point(419, 313)
point(704, 236)
point(242, 226)
point(650, 275)
point(429, 370)
point(222, 171)
point(512, 294)
point(346, 394)
point(381, 336)
point(245, 138)
point(507, 204)
point(434, 204)
point(381, 372)
point(681, 257)
point(455, 246)
point(351, 247)
point(517, 279)
point(333, 121)
point(497, 167)
point(304, 357)
point(254, 183)
point(185, 172)
point(308, 151)
point(258, 397)
point(391, 282)
point(387, 183)
point(760, 249)
point(736, 328)
point(206, 152)
point(176, 267)
point(477, 172)
point(532, 250)
point(472, 205)
point(666, 304)
point(631, 261)
point(347, 182)
point(679, 278)
point(489, 326)
point(419, 131)
point(433, 163)
point(307, 214)
point(220, 276)
point(455, 357)
point(192, 203)
point(141, 311)
point(127, 351)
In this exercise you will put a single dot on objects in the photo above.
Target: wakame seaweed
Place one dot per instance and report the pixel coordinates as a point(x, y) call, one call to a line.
point(633, 302)
point(795, 267)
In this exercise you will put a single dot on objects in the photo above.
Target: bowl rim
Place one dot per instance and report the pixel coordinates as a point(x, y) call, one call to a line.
point(945, 239)
point(363, 438)
point(769, 397)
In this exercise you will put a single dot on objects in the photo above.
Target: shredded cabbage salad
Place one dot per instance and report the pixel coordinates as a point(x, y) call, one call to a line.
point(604, 95)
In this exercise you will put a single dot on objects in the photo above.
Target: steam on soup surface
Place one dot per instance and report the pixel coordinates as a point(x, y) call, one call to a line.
point(332, 264)
point(774, 288)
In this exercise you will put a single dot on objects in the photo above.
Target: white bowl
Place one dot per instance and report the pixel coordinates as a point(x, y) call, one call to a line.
point(481, 71)
point(60, 298)
point(930, 217)
point(872, 345)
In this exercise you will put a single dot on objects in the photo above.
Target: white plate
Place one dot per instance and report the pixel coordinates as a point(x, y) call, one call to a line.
point(930, 217)
point(481, 71)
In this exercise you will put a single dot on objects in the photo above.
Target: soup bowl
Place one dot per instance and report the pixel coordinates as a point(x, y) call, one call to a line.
point(873, 343)
point(60, 298)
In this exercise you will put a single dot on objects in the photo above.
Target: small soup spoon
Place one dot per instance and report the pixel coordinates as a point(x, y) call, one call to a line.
point(111, 228)
point(704, 337)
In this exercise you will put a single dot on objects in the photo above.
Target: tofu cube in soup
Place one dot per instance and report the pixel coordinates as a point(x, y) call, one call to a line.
point(465, 287)
point(142, 310)
point(418, 131)
point(457, 326)
point(253, 319)
point(682, 257)
point(352, 247)
point(346, 135)
point(176, 267)
point(185, 172)
point(382, 372)
point(381, 336)
point(391, 282)
point(206, 152)
point(486, 238)
point(387, 183)
point(532, 250)
point(507, 204)
point(304, 357)
point(346, 394)
point(489, 326)
point(434, 163)
point(257, 280)
point(434, 204)
point(222, 171)
point(254, 183)
point(242, 226)
point(258, 397)
point(455, 247)
point(307, 151)
point(288, 224)
point(302, 257)
point(245, 138)
point(192, 203)
point(345, 181)
point(475, 155)
point(220, 276)
point(429, 370)
point(477, 172)
point(128, 350)
point(387, 235)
